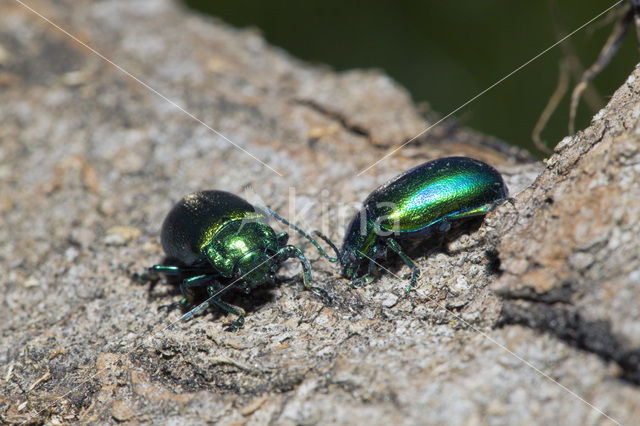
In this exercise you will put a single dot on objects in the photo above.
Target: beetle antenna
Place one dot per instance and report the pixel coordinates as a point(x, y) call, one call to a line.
point(328, 241)
point(307, 236)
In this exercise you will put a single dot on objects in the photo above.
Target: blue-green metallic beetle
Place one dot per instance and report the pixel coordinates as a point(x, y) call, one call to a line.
point(217, 239)
point(413, 205)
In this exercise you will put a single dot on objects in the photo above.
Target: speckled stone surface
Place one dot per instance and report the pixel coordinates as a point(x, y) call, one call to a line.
point(91, 161)
point(572, 262)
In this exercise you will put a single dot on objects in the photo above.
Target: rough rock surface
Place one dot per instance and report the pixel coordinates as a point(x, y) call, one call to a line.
point(572, 262)
point(529, 316)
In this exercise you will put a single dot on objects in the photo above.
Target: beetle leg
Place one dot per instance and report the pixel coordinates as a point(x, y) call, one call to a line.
point(288, 252)
point(172, 270)
point(370, 273)
point(162, 269)
point(166, 270)
point(173, 305)
point(360, 281)
point(196, 281)
point(238, 323)
point(185, 289)
point(415, 271)
point(212, 289)
point(372, 259)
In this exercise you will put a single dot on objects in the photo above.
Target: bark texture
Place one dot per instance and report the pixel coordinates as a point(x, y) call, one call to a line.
point(529, 316)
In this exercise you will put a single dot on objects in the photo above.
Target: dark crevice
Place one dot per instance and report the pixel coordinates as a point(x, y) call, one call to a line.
point(569, 325)
point(560, 294)
point(336, 116)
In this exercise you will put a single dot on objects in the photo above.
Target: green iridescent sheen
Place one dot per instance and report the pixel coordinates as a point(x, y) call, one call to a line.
point(417, 203)
point(428, 194)
point(218, 239)
point(192, 224)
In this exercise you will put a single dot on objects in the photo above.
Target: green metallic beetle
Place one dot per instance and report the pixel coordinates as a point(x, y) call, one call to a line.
point(414, 205)
point(218, 240)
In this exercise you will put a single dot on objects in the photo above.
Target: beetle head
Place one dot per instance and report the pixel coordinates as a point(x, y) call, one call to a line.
point(350, 262)
point(358, 237)
point(254, 268)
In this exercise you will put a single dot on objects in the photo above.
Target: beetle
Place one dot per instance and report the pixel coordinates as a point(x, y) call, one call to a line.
point(217, 240)
point(415, 204)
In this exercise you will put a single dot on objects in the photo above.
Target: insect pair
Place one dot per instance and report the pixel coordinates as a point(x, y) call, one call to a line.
point(219, 240)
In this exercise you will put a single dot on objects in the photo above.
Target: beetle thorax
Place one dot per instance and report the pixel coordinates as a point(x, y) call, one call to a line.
point(240, 244)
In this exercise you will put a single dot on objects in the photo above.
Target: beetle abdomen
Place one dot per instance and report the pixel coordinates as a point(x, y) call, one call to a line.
point(197, 218)
point(430, 193)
